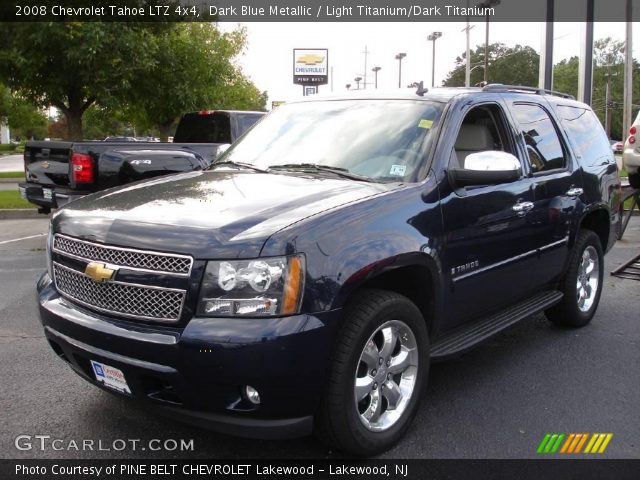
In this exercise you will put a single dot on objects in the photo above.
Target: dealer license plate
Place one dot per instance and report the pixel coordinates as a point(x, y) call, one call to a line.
point(110, 377)
point(47, 193)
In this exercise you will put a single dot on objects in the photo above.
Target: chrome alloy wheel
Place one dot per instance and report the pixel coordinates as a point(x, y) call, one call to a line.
point(588, 278)
point(386, 375)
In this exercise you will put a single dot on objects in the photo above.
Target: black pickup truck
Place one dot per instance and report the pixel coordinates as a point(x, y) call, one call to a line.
point(58, 172)
point(307, 279)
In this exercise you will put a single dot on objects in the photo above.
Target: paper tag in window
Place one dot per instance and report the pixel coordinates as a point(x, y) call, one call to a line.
point(398, 170)
point(424, 123)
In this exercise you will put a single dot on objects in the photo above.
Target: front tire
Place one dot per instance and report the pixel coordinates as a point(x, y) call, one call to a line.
point(582, 284)
point(378, 374)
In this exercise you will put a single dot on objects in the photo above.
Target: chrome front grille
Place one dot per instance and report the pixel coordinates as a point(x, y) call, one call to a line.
point(124, 299)
point(172, 264)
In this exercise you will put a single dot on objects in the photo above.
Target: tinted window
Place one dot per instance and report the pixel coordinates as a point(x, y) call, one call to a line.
point(203, 128)
point(543, 145)
point(245, 121)
point(586, 134)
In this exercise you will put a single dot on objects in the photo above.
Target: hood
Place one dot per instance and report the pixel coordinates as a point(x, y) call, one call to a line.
point(222, 213)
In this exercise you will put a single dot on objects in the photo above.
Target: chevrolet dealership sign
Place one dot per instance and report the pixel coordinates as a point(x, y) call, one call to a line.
point(310, 66)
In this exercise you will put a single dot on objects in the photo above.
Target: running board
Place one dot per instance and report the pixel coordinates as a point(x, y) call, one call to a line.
point(467, 336)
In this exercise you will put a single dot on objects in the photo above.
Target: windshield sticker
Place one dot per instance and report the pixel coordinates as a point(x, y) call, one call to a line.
point(424, 123)
point(398, 170)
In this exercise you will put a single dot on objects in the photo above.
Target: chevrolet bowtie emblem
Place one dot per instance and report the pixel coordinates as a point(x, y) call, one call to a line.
point(99, 272)
point(45, 165)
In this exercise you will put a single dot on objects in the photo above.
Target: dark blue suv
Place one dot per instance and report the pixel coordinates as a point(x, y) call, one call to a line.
point(307, 279)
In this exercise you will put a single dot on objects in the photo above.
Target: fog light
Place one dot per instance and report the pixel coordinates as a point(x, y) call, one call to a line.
point(252, 395)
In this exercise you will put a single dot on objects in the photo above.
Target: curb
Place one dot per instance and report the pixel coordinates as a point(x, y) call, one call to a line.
point(20, 213)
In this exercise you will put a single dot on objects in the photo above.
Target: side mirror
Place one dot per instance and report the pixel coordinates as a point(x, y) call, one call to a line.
point(486, 168)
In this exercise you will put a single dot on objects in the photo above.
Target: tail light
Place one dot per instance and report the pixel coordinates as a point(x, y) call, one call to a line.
point(632, 132)
point(82, 168)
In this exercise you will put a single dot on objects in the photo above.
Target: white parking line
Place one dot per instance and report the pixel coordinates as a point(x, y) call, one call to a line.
point(23, 238)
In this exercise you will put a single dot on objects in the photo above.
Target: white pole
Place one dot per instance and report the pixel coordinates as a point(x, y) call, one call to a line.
point(628, 76)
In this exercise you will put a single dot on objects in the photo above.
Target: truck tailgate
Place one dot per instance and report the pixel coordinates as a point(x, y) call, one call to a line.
point(47, 163)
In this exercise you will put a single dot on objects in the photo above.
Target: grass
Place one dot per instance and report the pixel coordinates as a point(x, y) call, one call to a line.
point(11, 174)
point(12, 199)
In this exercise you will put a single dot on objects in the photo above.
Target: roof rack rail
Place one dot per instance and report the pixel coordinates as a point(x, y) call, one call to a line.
point(499, 87)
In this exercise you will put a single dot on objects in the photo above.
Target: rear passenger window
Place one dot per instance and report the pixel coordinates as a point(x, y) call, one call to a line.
point(543, 144)
point(587, 135)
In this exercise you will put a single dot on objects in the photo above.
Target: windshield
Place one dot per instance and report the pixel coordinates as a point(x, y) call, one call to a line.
point(381, 140)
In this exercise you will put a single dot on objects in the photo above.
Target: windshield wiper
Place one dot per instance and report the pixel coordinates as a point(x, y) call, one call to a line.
point(339, 171)
point(239, 164)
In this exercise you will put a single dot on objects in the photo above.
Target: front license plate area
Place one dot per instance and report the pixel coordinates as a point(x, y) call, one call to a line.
point(110, 377)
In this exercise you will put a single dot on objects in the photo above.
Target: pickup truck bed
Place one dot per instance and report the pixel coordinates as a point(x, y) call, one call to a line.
point(58, 172)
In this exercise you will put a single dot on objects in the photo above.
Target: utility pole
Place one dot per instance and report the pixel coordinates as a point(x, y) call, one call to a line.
point(487, 4)
point(399, 57)
point(375, 71)
point(432, 38)
point(467, 71)
point(628, 75)
point(366, 54)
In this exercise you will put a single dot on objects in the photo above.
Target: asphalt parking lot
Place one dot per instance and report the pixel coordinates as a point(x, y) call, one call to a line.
point(497, 401)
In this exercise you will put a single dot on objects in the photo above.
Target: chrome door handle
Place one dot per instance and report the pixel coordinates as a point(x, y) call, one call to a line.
point(575, 192)
point(522, 208)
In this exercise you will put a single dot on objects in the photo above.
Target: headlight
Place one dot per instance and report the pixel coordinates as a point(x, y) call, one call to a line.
point(252, 288)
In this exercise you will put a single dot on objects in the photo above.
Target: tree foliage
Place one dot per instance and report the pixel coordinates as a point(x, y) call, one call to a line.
point(25, 120)
point(152, 72)
point(194, 70)
point(509, 65)
point(605, 52)
point(72, 65)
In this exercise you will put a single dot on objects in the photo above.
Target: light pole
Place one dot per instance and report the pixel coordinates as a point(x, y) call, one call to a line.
point(357, 80)
point(399, 57)
point(375, 71)
point(486, 5)
point(432, 38)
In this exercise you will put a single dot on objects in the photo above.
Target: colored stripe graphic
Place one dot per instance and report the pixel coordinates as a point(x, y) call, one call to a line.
point(572, 443)
point(598, 443)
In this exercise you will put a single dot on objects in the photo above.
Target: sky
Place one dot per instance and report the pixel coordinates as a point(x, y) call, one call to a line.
point(268, 60)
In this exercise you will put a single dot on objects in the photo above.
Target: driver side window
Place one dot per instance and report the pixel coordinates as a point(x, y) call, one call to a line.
point(482, 130)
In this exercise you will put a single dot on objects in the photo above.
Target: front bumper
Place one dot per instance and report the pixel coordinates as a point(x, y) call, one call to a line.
point(197, 373)
point(48, 196)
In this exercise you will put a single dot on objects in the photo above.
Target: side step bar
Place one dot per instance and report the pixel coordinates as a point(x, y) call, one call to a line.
point(467, 336)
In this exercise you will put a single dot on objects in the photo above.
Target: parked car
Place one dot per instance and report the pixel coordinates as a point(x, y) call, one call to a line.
point(306, 280)
point(617, 146)
point(58, 172)
point(631, 154)
point(120, 139)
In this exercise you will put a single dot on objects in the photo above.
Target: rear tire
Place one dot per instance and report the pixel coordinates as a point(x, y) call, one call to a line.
point(378, 374)
point(634, 180)
point(582, 284)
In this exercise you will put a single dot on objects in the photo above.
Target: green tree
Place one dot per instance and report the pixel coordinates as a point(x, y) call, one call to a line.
point(509, 65)
point(25, 120)
point(194, 69)
point(608, 59)
point(72, 65)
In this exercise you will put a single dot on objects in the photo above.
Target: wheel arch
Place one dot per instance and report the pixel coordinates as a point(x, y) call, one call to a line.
point(416, 276)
